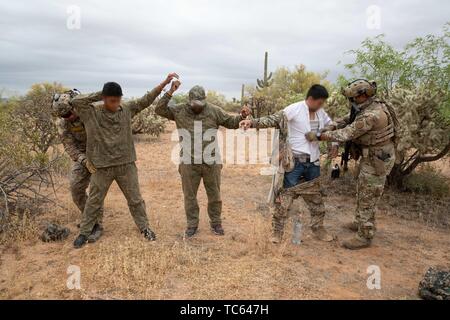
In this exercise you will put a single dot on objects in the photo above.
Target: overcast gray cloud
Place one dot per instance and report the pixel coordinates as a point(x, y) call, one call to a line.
point(219, 44)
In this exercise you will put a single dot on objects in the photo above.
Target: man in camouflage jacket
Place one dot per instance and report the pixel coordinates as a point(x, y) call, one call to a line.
point(197, 122)
point(110, 152)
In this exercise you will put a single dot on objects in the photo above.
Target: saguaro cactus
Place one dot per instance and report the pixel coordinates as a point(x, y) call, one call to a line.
point(242, 95)
point(266, 81)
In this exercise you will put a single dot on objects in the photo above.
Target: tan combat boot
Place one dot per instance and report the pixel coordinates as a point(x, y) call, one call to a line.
point(276, 237)
point(353, 226)
point(356, 243)
point(322, 234)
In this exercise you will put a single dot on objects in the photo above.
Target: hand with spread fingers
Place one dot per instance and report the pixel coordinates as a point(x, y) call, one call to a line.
point(245, 124)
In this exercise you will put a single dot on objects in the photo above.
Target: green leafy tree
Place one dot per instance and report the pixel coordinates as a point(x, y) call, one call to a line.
point(415, 81)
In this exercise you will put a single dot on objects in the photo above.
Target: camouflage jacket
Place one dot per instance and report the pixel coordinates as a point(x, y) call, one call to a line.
point(282, 158)
point(190, 124)
point(73, 138)
point(109, 134)
point(374, 124)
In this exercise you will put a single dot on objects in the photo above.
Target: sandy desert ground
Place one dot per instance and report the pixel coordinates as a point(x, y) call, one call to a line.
point(240, 265)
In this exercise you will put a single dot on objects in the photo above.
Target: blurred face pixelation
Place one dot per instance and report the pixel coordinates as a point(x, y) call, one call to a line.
point(112, 103)
point(315, 104)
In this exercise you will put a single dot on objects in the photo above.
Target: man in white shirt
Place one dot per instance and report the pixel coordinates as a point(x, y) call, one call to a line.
point(301, 178)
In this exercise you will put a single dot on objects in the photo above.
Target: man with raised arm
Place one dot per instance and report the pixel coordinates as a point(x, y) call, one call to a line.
point(110, 152)
point(197, 123)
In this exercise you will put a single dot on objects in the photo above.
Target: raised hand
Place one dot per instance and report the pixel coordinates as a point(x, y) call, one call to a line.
point(245, 124)
point(174, 86)
point(170, 77)
point(245, 112)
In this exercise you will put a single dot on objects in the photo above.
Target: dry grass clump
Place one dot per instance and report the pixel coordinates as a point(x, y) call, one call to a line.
point(123, 267)
point(18, 228)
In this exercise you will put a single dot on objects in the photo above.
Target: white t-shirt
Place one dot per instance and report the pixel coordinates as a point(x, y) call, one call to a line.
point(299, 124)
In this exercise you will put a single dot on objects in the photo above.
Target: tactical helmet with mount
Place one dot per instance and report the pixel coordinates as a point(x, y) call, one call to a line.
point(61, 102)
point(359, 87)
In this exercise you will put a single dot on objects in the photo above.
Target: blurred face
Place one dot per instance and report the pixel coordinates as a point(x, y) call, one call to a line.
point(315, 104)
point(360, 99)
point(70, 116)
point(111, 103)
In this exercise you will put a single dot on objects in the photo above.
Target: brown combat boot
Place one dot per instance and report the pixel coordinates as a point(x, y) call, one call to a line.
point(352, 226)
point(322, 234)
point(276, 237)
point(356, 243)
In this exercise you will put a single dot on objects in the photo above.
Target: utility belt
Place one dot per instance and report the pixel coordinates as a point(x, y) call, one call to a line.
point(304, 158)
point(377, 157)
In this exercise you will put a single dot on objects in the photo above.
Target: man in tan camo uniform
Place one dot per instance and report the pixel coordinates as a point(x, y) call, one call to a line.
point(73, 137)
point(373, 133)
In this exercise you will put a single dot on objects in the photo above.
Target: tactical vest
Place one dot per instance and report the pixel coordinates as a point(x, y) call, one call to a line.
point(78, 131)
point(380, 136)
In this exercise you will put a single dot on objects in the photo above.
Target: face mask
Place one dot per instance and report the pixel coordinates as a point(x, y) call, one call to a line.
point(196, 108)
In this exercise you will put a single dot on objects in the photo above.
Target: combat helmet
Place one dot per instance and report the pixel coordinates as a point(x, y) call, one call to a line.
point(61, 105)
point(359, 87)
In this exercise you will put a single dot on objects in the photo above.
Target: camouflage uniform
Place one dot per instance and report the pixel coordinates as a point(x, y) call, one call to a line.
point(73, 138)
point(194, 166)
point(283, 198)
point(110, 149)
point(373, 133)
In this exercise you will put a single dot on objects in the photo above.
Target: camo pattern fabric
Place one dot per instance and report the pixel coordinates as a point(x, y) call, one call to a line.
point(373, 112)
point(73, 137)
point(370, 188)
point(311, 193)
point(282, 158)
point(126, 178)
point(435, 285)
point(110, 141)
point(376, 161)
point(189, 123)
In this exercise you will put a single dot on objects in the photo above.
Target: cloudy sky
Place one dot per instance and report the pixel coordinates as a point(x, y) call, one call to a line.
point(218, 44)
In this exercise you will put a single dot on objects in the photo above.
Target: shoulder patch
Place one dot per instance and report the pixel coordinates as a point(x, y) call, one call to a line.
point(360, 124)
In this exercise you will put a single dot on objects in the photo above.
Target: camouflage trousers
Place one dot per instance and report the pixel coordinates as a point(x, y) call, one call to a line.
point(370, 186)
point(191, 175)
point(79, 182)
point(127, 179)
point(311, 194)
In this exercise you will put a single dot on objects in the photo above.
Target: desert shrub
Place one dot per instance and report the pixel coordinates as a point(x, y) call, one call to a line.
point(428, 181)
point(27, 156)
point(33, 119)
point(148, 122)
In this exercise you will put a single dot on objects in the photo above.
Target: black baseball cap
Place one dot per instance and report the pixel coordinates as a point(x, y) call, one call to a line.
point(112, 89)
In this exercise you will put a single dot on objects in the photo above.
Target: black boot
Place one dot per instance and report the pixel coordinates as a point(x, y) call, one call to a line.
point(96, 233)
point(218, 230)
point(190, 232)
point(149, 234)
point(80, 241)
